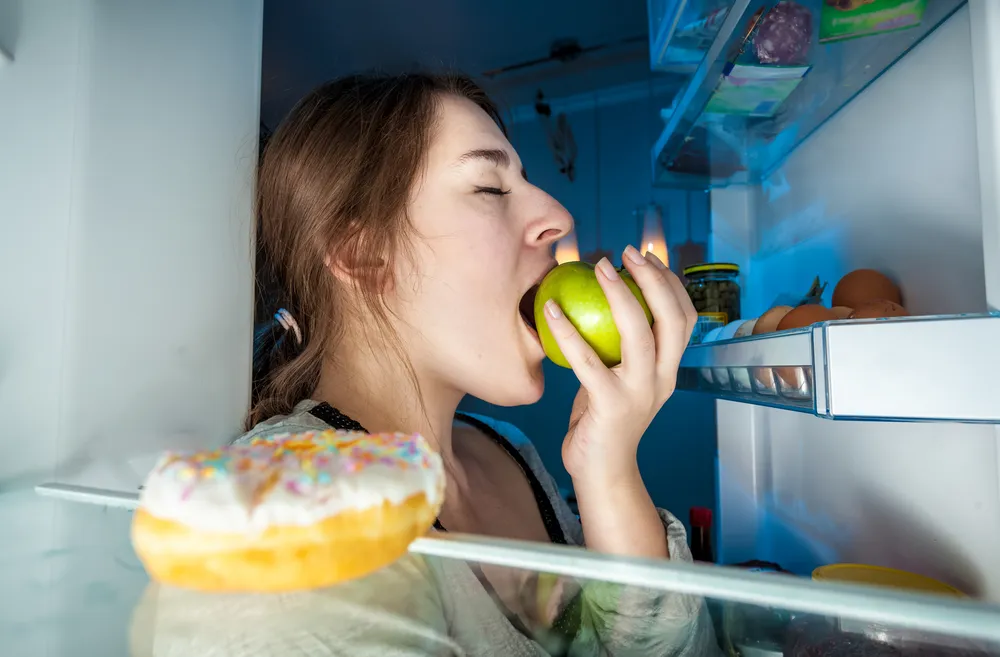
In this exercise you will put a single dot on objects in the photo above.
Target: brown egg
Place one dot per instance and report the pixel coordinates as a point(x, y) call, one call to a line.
point(805, 316)
point(746, 328)
point(768, 322)
point(794, 380)
point(878, 309)
point(863, 285)
point(842, 312)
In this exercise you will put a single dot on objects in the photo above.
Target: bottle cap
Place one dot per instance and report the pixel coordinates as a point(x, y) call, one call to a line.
point(701, 516)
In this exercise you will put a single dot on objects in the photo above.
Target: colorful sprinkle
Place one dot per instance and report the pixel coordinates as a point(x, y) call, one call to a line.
point(296, 463)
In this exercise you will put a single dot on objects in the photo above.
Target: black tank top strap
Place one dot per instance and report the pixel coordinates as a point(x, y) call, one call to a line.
point(337, 420)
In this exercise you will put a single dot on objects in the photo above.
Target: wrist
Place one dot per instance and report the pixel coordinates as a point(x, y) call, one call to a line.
point(605, 476)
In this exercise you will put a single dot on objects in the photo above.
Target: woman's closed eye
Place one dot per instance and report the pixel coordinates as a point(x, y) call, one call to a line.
point(493, 191)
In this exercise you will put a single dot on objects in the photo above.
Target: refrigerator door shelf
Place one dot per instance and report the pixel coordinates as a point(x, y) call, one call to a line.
point(939, 368)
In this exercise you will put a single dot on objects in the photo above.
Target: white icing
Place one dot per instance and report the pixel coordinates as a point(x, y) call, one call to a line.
point(226, 503)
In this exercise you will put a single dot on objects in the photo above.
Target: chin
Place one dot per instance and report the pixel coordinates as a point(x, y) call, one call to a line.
point(528, 389)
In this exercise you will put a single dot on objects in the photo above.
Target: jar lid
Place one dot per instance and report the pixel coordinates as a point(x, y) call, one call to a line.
point(881, 576)
point(706, 267)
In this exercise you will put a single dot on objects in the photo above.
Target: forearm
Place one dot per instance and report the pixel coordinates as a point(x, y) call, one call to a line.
point(619, 517)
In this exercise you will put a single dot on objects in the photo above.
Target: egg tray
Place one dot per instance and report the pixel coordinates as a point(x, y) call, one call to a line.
point(792, 383)
point(773, 386)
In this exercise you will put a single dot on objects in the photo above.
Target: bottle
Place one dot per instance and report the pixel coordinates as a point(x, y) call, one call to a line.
point(714, 288)
point(701, 534)
point(701, 550)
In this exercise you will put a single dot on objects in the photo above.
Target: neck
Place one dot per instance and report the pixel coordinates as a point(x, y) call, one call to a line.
point(370, 385)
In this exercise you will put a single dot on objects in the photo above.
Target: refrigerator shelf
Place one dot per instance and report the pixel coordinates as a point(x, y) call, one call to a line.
point(905, 369)
point(104, 556)
point(722, 145)
point(682, 31)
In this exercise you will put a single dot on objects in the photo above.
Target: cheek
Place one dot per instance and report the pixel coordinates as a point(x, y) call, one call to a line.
point(465, 231)
point(461, 284)
point(479, 259)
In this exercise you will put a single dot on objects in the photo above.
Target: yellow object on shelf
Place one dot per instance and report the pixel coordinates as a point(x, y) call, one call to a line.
point(880, 576)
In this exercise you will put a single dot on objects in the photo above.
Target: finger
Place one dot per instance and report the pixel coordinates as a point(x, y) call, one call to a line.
point(670, 327)
point(586, 364)
point(637, 341)
point(681, 292)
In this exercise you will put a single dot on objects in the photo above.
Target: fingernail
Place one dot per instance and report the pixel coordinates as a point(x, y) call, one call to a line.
point(552, 309)
point(633, 254)
point(607, 269)
point(656, 261)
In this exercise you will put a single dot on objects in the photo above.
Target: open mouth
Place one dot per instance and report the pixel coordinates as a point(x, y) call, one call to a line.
point(527, 307)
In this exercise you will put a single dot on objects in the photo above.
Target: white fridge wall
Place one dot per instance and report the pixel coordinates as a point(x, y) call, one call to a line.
point(128, 139)
point(890, 182)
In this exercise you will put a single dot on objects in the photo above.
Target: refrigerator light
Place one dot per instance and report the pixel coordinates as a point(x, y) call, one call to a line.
point(653, 239)
point(567, 249)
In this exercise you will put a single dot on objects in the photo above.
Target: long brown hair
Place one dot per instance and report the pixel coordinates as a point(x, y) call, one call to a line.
point(333, 185)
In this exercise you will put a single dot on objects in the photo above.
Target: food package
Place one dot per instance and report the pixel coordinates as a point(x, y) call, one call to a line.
point(785, 35)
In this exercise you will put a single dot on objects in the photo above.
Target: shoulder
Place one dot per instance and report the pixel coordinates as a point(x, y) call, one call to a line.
point(298, 421)
point(518, 440)
point(514, 436)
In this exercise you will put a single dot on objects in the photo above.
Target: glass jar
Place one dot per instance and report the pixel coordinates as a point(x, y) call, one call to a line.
point(714, 289)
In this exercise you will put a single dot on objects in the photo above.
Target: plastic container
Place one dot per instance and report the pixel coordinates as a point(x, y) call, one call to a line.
point(854, 573)
point(877, 637)
point(752, 630)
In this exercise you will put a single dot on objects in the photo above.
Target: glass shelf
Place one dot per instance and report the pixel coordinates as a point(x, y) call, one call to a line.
point(700, 145)
point(73, 586)
point(681, 31)
point(913, 368)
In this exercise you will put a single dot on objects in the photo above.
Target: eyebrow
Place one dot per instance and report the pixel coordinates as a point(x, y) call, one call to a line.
point(495, 156)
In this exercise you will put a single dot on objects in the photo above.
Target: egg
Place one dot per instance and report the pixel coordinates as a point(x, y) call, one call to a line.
point(728, 332)
point(878, 309)
point(794, 380)
point(768, 322)
point(706, 372)
point(712, 335)
point(746, 328)
point(720, 375)
point(842, 312)
point(740, 378)
point(805, 316)
point(863, 285)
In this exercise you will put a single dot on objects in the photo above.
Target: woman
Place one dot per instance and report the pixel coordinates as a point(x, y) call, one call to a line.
point(404, 231)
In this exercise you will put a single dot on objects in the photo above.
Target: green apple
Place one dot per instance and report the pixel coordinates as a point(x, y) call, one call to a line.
point(574, 286)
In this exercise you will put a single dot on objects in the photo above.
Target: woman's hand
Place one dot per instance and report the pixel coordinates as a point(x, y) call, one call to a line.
point(615, 406)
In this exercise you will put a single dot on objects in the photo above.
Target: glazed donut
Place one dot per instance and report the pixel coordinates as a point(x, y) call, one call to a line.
point(286, 512)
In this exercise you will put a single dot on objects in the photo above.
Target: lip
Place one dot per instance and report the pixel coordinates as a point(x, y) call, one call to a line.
point(523, 313)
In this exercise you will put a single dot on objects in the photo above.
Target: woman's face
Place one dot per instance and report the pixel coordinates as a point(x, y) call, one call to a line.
point(483, 237)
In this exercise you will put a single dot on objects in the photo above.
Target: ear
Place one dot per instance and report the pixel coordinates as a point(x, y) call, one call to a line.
point(352, 272)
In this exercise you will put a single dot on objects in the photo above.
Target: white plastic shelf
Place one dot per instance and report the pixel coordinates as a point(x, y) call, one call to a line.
point(940, 368)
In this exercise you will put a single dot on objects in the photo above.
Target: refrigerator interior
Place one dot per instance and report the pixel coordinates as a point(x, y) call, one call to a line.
point(895, 181)
point(85, 193)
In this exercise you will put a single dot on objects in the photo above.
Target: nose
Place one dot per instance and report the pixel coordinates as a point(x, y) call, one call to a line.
point(551, 222)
